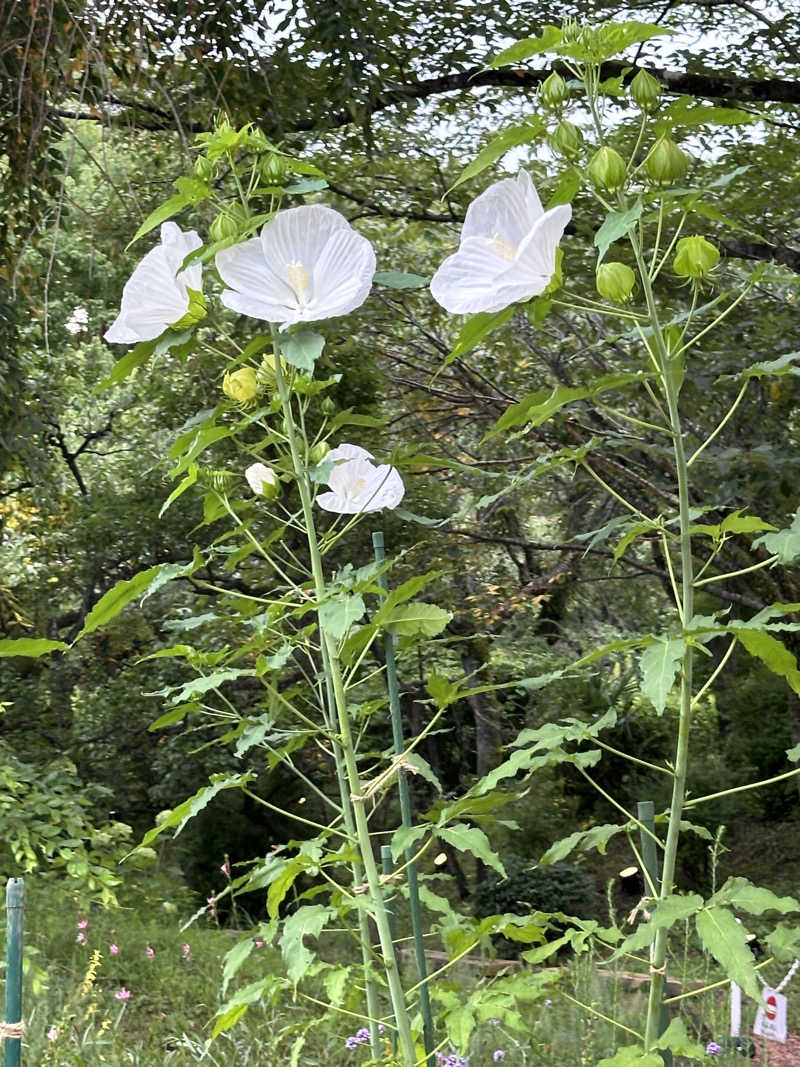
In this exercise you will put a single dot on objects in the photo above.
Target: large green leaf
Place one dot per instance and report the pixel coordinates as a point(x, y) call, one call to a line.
point(418, 619)
point(784, 543)
point(665, 913)
point(338, 615)
point(724, 938)
point(179, 816)
point(508, 139)
point(302, 348)
point(117, 598)
point(677, 1039)
point(475, 329)
point(309, 921)
point(583, 840)
point(537, 407)
point(742, 894)
point(32, 647)
point(685, 111)
point(659, 664)
point(773, 653)
point(550, 37)
point(472, 839)
point(616, 225)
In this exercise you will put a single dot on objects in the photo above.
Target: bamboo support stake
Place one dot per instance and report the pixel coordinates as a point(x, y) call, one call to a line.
point(12, 1029)
point(407, 819)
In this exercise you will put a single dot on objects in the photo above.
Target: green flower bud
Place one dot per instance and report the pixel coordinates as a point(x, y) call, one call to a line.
point(241, 385)
point(615, 282)
point(667, 163)
point(607, 169)
point(273, 168)
point(318, 452)
point(646, 91)
point(223, 227)
point(327, 406)
point(204, 168)
point(554, 91)
point(263, 481)
point(566, 139)
point(266, 372)
point(694, 257)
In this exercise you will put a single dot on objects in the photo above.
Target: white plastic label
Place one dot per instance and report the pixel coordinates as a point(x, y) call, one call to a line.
point(771, 1018)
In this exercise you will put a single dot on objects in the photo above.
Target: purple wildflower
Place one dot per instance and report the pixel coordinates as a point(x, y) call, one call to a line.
point(498, 1054)
point(713, 1049)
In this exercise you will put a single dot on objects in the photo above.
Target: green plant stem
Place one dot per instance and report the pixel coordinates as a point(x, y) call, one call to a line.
point(735, 574)
point(333, 671)
point(721, 424)
point(686, 610)
point(741, 788)
point(713, 677)
point(599, 1014)
point(632, 759)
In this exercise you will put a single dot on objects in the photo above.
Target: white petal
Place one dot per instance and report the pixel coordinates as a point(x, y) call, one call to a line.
point(177, 245)
point(351, 477)
point(388, 489)
point(467, 281)
point(346, 451)
point(502, 211)
point(341, 505)
point(532, 201)
point(121, 333)
point(537, 254)
point(299, 235)
point(258, 475)
point(342, 275)
point(255, 288)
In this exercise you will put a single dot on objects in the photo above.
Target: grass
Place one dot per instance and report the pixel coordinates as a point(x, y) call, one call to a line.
point(75, 1017)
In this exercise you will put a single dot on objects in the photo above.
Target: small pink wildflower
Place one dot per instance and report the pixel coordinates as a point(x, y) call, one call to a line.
point(226, 869)
point(259, 944)
point(187, 949)
point(113, 949)
point(150, 952)
point(82, 924)
point(212, 905)
point(81, 938)
point(123, 994)
point(52, 1034)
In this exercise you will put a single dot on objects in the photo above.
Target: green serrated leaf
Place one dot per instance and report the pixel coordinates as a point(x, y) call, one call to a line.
point(308, 920)
point(676, 1038)
point(724, 938)
point(537, 407)
point(472, 839)
point(398, 279)
point(497, 147)
point(161, 214)
point(549, 39)
point(302, 348)
point(418, 619)
point(685, 111)
point(773, 653)
point(659, 664)
point(179, 816)
point(117, 598)
point(755, 900)
point(583, 840)
point(475, 329)
point(616, 225)
point(33, 647)
point(127, 365)
point(568, 185)
point(337, 616)
point(785, 543)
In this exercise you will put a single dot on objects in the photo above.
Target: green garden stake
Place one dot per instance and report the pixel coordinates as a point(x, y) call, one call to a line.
point(388, 868)
point(646, 813)
point(407, 820)
point(15, 914)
